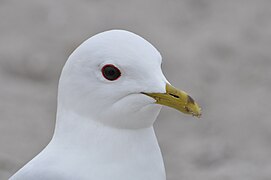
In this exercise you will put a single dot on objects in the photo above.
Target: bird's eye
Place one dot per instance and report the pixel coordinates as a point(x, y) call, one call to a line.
point(110, 72)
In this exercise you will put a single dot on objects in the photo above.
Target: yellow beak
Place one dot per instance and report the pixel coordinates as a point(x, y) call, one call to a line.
point(177, 99)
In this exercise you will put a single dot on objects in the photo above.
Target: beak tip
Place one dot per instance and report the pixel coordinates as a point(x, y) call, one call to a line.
point(193, 109)
point(198, 115)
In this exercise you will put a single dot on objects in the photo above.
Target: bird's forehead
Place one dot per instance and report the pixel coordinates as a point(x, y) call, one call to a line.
point(123, 47)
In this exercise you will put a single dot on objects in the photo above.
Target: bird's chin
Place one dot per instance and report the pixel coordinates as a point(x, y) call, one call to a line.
point(140, 100)
point(133, 111)
point(146, 107)
point(136, 98)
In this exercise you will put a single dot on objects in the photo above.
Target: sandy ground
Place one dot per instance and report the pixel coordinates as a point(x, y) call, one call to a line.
point(219, 51)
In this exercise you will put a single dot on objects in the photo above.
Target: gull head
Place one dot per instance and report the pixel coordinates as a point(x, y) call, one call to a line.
point(115, 78)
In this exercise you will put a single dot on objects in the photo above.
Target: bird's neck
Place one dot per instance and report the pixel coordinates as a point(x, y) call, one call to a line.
point(74, 128)
point(99, 146)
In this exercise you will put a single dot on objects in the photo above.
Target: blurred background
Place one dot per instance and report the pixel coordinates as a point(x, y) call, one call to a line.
point(218, 51)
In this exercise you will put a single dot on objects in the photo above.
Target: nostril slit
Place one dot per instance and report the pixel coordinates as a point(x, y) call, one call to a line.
point(174, 95)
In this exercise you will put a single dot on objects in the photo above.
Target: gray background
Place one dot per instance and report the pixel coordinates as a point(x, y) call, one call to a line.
point(218, 51)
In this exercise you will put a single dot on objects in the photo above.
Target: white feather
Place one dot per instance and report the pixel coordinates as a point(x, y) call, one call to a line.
point(104, 129)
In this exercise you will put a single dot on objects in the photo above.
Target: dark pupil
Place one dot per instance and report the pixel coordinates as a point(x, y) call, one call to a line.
point(111, 73)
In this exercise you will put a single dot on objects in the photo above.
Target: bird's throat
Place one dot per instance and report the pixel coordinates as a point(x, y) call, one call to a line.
point(127, 151)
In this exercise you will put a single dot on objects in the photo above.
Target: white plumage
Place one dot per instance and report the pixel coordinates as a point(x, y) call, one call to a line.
point(104, 129)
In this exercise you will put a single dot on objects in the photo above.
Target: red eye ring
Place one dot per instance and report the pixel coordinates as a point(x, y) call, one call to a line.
point(111, 72)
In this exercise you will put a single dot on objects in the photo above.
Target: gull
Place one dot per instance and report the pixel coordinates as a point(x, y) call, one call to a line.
point(110, 92)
